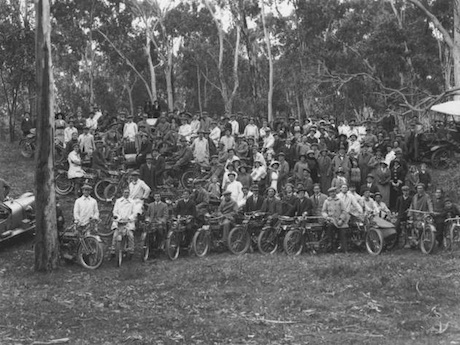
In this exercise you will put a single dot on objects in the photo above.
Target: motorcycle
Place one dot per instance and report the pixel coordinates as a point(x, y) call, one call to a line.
point(17, 216)
point(420, 232)
point(79, 244)
point(209, 236)
point(310, 235)
point(271, 237)
point(151, 239)
point(177, 237)
point(452, 234)
point(28, 143)
point(121, 249)
point(243, 235)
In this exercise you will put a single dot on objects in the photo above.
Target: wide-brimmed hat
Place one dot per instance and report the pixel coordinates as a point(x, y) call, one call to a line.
point(332, 189)
point(86, 186)
point(227, 192)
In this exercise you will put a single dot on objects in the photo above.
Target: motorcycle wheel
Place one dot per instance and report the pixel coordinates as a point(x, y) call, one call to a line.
point(292, 243)
point(427, 239)
point(110, 191)
point(200, 243)
point(173, 245)
point(146, 247)
point(63, 185)
point(99, 189)
point(59, 154)
point(105, 226)
point(90, 253)
point(267, 242)
point(374, 241)
point(239, 240)
point(27, 150)
point(187, 178)
point(121, 244)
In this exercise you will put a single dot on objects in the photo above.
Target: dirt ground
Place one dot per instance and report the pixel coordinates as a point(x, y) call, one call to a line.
point(400, 297)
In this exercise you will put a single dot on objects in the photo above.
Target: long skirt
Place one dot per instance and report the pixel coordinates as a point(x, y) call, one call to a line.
point(385, 191)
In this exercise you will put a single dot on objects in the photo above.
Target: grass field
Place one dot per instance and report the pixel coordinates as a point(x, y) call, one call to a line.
point(401, 297)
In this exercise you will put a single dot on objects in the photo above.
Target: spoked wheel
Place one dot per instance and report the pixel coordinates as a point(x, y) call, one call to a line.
point(374, 241)
point(173, 245)
point(59, 153)
point(146, 246)
point(200, 243)
point(63, 185)
point(187, 178)
point(104, 228)
point(110, 191)
point(427, 239)
point(447, 240)
point(239, 240)
point(293, 243)
point(90, 253)
point(99, 189)
point(27, 150)
point(441, 159)
point(267, 242)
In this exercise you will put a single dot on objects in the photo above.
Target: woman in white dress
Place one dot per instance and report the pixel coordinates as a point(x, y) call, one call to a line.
point(75, 170)
point(274, 175)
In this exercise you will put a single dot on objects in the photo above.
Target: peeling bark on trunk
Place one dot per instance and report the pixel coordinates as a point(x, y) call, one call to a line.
point(169, 84)
point(46, 238)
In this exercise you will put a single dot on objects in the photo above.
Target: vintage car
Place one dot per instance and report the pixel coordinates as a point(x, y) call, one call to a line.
point(17, 216)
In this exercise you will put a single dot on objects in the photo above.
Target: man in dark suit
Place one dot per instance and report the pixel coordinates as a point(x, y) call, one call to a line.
point(157, 213)
point(290, 152)
point(187, 207)
point(255, 201)
point(403, 203)
point(158, 163)
point(147, 172)
point(303, 204)
point(370, 184)
point(317, 199)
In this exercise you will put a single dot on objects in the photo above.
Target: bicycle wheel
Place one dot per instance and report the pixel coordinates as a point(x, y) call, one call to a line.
point(90, 253)
point(121, 244)
point(110, 191)
point(427, 239)
point(63, 184)
point(104, 228)
point(239, 240)
point(146, 247)
point(200, 243)
point(455, 235)
point(374, 241)
point(99, 189)
point(292, 243)
point(447, 240)
point(59, 154)
point(173, 245)
point(27, 150)
point(267, 242)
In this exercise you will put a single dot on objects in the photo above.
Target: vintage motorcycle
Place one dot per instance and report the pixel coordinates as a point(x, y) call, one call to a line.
point(420, 232)
point(272, 237)
point(176, 237)
point(245, 235)
point(17, 216)
point(79, 244)
point(28, 143)
point(452, 234)
point(209, 236)
point(309, 236)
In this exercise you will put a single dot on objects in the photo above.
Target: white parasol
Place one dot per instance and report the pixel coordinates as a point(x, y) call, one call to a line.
point(449, 108)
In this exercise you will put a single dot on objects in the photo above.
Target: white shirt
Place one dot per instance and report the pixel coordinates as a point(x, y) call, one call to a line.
point(251, 130)
point(130, 130)
point(269, 141)
point(215, 135)
point(124, 209)
point(237, 190)
point(91, 123)
point(68, 134)
point(235, 127)
point(138, 190)
point(75, 169)
point(258, 173)
point(84, 209)
point(195, 126)
point(185, 130)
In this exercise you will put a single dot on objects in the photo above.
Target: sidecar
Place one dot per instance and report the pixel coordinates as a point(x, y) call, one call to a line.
point(17, 216)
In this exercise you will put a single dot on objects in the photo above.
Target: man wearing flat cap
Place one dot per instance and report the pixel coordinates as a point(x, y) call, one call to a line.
point(337, 219)
point(227, 208)
point(255, 201)
point(85, 208)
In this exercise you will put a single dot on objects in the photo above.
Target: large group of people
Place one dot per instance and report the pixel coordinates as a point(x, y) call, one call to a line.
point(335, 169)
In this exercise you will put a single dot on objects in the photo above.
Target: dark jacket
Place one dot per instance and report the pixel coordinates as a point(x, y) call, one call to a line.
point(402, 205)
point(186, 208)
point(302, 206)
point(251, 206)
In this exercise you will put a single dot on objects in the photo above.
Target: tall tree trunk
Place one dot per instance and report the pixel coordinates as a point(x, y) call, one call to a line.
point(270, 66)
point(46, 238)
point(198, 82)
point(153, 79)
point(169, 84)
point(91, 54)
point(456, 47)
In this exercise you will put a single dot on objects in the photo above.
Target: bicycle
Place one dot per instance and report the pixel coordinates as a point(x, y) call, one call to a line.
point(121, 249)
point(242, 236)
point(151, 237)
point(78, 244)
point(119, 183)
point(451, 239)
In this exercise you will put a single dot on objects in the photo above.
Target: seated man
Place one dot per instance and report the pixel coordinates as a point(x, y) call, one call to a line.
point(255, 201)
point(227, 208)
point(123, 212)
point(335, 214)
point(272, 205)
point(157, 213)
point(186, 207)
point(303, 205)
point(138, 192)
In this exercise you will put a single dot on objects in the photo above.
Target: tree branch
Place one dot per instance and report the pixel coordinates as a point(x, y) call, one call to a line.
point(447, 37)
point(128, 62)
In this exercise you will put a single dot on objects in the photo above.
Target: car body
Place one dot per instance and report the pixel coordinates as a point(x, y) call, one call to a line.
point(17, 216)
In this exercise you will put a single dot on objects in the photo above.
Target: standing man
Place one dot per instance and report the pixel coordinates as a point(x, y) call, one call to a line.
point(147, 172)
point(337, 220)
point(255, 201)
point(157, 213)
point(138, 192)
point(85, 208)
point(200, 148)
point(123, 211)
point(317, 199)
point(87, 144)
